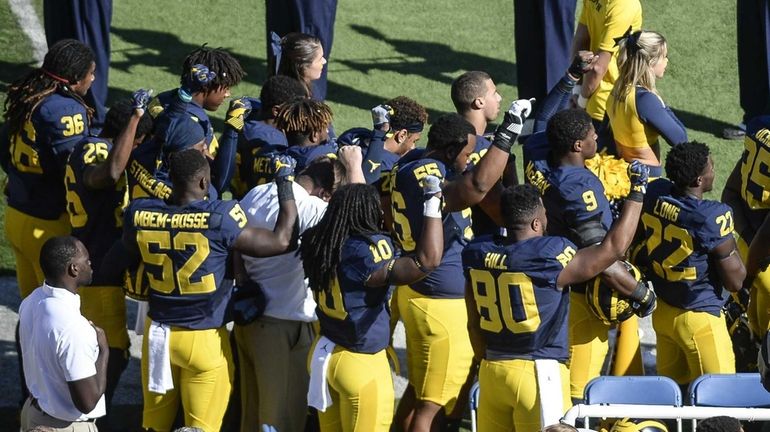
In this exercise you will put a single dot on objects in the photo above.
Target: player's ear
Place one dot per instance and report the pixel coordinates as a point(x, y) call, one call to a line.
point(400, 136)
point(536, 225)
point(477, 103)
point(577, 146)
point(274, 111)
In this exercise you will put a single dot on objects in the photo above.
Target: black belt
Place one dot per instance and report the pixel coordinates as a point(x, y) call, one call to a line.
point(35, 404)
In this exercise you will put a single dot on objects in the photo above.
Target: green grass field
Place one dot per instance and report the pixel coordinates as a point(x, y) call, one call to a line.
point(385, 49)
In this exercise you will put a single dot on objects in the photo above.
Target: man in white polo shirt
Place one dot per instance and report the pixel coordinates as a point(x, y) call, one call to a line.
point(64, 355)
point(274, 386)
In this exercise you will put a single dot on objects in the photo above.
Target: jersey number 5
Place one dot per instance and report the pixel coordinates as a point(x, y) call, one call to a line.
point(498, 301)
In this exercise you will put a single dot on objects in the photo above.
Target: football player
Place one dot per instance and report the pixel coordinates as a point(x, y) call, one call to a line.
point(96, 195)
point(690, 255)
point(578, 210)
point(433, 310)
point(183, 245)
point(351, 265)
point(305, 122)
point(46, 116)
point(746, 193)
point(518, 303)
point(259, 129)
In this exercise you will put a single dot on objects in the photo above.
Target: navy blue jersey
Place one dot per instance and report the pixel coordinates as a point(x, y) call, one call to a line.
point(38, 156)
point(351, 314)
point(197, 113)
point(306, 154)
point(183, 254)
point(96, 215)
point(407, 207)
point(387, 163)
point(536, 148)
point(482, 146)
point(571, 196)
point(522, 312)
point(255, 136)
point(680, 231)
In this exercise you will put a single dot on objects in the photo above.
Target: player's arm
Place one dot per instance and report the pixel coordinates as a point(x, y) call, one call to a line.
point(593, 77)
point(376, 151)
point(728, 263)
point(351, 158)
point(654, 112)
point(471, 189)
point(87, 392)
point(224, 162)
point(590, 261)
point(474, 323)
point(260, 242)
point(430, 247)
point(108, 173)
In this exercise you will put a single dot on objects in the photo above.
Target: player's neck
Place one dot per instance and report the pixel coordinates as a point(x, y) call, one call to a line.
point(391, 145)
point(694, 192)
point(182, 198)
point(477, 119)
point(516, 235)
point(572, 159)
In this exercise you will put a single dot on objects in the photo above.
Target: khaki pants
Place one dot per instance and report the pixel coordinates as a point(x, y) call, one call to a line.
point(32, 416)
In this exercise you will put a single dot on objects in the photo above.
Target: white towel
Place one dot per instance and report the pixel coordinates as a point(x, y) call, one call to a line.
point(318, 395)
point(141, 315)
point(549, 386)
point(159, 359)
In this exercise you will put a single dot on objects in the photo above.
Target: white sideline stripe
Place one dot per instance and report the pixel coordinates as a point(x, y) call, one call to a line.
point(29, 22)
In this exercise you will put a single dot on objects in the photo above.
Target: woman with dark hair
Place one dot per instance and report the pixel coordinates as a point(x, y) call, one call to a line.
point(300, 56)
point(351, 265)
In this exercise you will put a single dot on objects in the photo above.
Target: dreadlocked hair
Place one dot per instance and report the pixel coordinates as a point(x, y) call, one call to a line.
point(67, 60)
point(353, 209)
point(303, 117)
point(229, 71)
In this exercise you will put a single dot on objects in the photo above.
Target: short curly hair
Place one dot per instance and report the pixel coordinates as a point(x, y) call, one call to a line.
point(449, 133)
point(406, 112)
point(519, 204)
point(566, 127)
point(685, 162)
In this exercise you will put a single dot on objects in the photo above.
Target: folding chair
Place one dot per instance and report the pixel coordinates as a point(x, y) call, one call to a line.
point(474, 403)
point(642, 390)
point(742, 390)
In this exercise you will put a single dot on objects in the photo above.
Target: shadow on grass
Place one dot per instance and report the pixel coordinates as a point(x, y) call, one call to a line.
point(702, 123)
point(430, 60)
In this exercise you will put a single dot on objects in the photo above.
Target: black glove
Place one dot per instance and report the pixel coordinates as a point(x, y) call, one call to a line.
point(513, 122)
point(644, 299)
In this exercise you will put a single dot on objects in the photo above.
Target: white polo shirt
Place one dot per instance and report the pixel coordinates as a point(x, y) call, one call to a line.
point(281, 277)
point(58, 346)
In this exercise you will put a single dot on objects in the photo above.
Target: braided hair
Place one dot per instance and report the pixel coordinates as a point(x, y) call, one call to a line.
point(353, 209)
point(303, 117)
point(229, 71)
point(67, 62)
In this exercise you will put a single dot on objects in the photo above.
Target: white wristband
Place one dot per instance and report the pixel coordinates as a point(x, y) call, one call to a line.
point(582, 101)
point(577, 89)
point(432, 207)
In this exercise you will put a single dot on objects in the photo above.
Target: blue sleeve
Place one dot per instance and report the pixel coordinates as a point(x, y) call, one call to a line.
point(223, 167)
point(652, 111)
point(372, 163)
point(556, 100)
